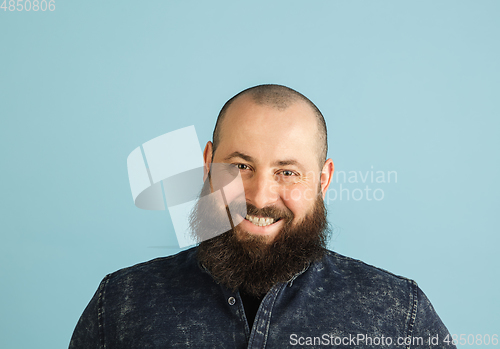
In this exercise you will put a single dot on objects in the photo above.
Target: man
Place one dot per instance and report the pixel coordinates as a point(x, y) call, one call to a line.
point(268, 282)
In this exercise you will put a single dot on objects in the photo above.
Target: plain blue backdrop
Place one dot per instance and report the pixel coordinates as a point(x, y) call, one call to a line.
point(405, 86)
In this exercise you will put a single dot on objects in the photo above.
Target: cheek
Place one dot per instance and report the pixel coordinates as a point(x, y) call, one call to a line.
point(299, 199)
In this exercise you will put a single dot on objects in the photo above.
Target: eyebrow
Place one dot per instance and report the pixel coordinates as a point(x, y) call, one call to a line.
point(248, 158)
point(286, 162)
point(238, 154)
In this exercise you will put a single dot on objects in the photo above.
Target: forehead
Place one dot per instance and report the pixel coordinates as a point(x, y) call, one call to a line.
point(268, 132)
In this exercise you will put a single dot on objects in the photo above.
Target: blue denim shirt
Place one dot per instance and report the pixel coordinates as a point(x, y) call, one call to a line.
point(173, 302)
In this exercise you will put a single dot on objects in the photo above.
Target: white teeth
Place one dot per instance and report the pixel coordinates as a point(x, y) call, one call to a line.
point(261, 222)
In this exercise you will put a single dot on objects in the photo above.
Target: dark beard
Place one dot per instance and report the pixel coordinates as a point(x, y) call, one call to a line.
point(247, 262)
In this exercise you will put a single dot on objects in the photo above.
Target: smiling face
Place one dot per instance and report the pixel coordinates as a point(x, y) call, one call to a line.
point(276, 151)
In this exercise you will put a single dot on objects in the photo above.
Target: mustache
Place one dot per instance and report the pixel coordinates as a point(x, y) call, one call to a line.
point(270, 211)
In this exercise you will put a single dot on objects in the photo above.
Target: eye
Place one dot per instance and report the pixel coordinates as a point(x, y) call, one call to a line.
point(287, 173)
point(287, 176)
point(242, 167)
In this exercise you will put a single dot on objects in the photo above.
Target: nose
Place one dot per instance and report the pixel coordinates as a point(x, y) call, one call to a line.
point(261, 190)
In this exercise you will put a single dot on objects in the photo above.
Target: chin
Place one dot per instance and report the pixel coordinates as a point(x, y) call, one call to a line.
point(244, 235)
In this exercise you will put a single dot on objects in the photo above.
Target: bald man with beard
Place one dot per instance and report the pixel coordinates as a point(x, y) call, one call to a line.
point(269, 281)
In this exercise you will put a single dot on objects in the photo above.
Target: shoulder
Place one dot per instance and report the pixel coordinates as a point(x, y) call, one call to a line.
point(364, 279)
point(354, 268)
point(177, 269)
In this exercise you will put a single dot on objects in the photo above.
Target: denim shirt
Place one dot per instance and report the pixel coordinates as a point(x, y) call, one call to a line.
point(173, 302)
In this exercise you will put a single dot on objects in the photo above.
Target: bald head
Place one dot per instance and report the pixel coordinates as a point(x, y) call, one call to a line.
point(278, 97)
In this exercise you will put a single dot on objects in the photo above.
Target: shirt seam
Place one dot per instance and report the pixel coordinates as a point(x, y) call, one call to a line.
point(412, 313)
point(275, 290)
point(101, 310)
point(268, 325)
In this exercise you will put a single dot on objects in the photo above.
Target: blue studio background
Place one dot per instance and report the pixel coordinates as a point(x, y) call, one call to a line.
point(405, 86)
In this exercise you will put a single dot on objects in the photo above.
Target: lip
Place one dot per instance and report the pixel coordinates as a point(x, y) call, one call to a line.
point(270, 229)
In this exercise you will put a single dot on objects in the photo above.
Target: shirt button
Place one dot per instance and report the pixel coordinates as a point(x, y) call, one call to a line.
point(231, 300)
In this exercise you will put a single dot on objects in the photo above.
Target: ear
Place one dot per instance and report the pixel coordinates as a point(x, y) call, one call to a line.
point(326, 176)
point(207, 159)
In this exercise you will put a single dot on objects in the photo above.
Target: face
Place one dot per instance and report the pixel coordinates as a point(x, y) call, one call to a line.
point(276, 152)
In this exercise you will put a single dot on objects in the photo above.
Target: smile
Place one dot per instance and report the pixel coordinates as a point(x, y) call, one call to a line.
point(260, 221)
